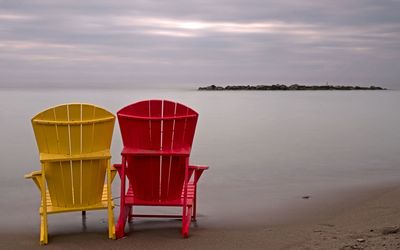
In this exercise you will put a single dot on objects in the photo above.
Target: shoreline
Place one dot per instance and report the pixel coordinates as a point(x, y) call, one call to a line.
point(355, 222)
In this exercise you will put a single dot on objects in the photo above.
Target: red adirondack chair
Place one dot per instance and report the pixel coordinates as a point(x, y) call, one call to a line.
point(157, 136)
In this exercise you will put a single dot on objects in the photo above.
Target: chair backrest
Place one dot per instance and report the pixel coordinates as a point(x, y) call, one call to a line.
point(74, 144)
point(164, 128)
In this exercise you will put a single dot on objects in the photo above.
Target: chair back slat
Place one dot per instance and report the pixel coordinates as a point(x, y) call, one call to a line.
point(168, 125)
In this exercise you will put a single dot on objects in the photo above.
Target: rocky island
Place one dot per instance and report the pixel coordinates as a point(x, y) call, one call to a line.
point(289, 87)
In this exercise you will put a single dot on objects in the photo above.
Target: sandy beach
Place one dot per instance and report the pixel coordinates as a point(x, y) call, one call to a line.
point(367, 220)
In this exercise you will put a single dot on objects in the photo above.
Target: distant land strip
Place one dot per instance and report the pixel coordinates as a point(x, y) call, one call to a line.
point(289, 87)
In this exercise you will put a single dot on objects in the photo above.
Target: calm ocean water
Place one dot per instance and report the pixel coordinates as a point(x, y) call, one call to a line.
point(265, 149)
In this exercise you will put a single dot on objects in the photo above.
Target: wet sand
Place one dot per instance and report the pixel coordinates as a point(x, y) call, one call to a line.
point(367, 225)
point(353, 223)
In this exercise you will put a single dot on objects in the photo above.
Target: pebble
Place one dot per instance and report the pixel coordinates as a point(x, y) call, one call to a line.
point(390, 230)
point(327, 225)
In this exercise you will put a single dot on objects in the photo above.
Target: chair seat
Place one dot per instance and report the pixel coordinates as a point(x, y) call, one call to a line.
point(132, 200)
point(55, 209)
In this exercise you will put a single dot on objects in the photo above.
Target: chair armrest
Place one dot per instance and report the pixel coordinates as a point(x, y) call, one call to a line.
point(198, 171)
point(113, 173)
point(36, 177)
point(195, 167)
point(33, 174)
point(118, 167)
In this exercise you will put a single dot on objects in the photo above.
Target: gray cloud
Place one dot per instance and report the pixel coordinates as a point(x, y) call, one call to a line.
point(190, 42)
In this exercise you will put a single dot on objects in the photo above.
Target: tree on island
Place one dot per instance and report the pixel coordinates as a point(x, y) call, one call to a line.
point(290, 87)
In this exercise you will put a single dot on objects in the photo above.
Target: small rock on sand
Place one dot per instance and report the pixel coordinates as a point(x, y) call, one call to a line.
point(390, 230)
point(348, 247)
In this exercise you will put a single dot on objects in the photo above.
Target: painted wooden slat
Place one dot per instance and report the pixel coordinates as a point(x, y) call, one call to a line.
point(176, 177)
point(74, 114)
point(65, 123)
point(189, 132)
point(50, 134)
point(102, 136)
point(88, 112)
point(94, 179)
point(52, 182)
point(101, 173)
point(60, 113)
point(76, 177)
point(40, 138)
point(105, 154)
point(168, 125)
point(87, 184)
point(155, 110)
point(165, 177)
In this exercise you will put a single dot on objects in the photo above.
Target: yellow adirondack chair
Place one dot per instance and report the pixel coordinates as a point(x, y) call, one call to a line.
point(74, 145)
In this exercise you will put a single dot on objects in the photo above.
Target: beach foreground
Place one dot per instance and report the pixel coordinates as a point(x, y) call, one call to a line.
point(369, 222)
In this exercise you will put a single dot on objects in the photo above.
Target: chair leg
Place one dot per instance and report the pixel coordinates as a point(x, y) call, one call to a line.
point(130, 214)
point(123, 216)
point(43, 215)
point(194, 208)
point(83, 213)
point(186, 218)
point(43, 230)
point(111, 225)
point(123, 209)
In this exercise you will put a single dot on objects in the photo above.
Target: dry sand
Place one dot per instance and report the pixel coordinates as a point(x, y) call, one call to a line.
point(357, 225)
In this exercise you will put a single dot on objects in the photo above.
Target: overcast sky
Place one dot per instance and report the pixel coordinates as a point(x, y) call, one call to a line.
point(192, 43)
